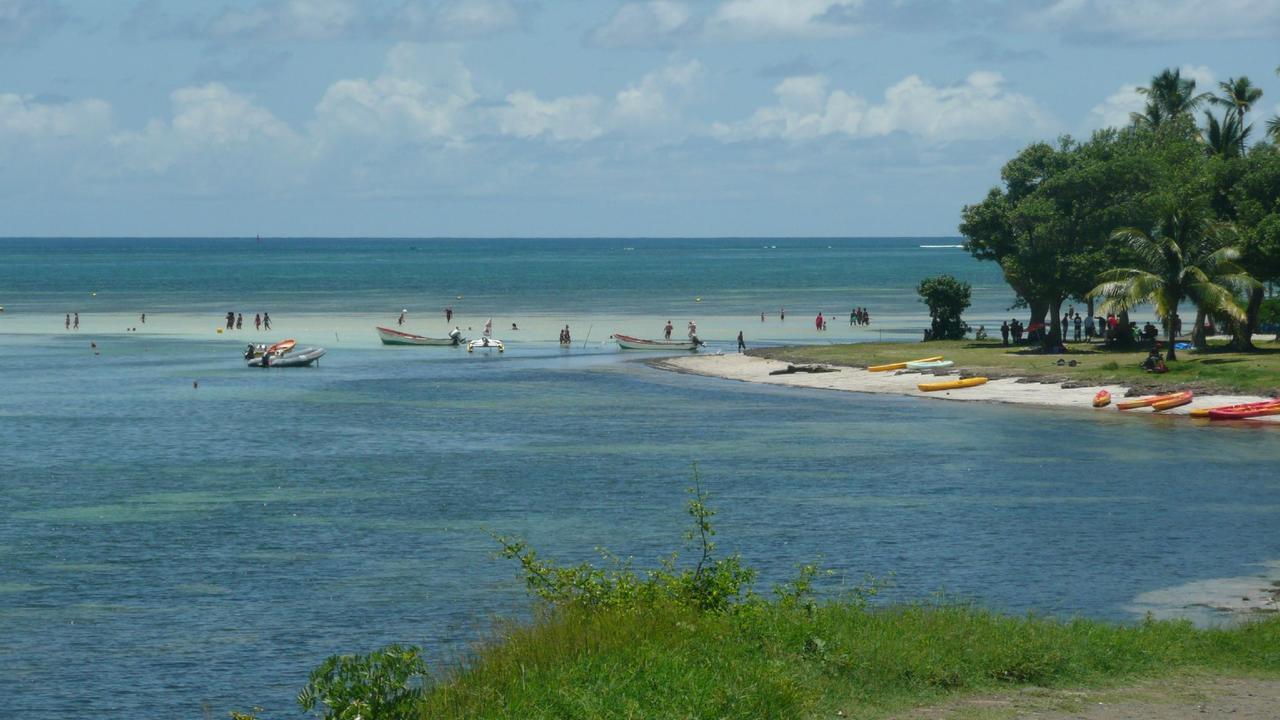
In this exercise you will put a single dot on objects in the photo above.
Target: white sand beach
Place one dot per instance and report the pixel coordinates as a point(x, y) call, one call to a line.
point(746, 368)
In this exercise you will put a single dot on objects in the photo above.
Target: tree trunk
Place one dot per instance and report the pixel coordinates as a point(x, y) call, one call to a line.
point(1054, 338)
point(1244, 333)
point(1197, 334)
point(1168, 323)
point(1089, 317)
point(1124, 333)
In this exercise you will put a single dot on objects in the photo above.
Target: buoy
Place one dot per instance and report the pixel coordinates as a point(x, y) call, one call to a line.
point(93, 294)
point(697, 299)
point(219, 331)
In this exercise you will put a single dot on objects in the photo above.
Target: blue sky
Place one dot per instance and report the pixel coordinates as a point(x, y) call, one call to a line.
point(567, 117)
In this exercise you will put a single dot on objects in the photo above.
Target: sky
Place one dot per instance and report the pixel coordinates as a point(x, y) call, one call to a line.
point(458, 118)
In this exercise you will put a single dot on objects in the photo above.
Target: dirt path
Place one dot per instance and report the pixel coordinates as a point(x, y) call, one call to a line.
point(1182, 698)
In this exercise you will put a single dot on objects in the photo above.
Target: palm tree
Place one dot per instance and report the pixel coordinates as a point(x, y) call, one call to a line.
point(1169, 96)
point(1238, 96)
point(1273, 129)
point(1185, 257)
point(1225, 138)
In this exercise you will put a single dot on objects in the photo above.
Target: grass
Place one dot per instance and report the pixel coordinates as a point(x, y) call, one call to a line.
point(1216, 371)
point(771, 661)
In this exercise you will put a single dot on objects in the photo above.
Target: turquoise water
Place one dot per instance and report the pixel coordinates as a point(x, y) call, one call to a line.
point(166, 549)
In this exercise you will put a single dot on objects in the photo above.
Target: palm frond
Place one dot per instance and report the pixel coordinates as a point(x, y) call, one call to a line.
point(1215, 299)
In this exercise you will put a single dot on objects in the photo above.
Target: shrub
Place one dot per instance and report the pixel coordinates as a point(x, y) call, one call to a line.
point(386, 683)
point(947, 298)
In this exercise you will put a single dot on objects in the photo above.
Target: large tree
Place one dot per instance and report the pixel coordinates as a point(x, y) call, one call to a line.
point(1050, 226)
point(1188, 255)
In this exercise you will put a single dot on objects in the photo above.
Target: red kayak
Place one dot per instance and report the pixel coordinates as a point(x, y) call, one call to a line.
point(1102, 399)
point(1247, 410)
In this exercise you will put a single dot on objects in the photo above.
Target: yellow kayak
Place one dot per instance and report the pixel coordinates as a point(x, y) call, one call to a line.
point(902, 365)
point(952, 384)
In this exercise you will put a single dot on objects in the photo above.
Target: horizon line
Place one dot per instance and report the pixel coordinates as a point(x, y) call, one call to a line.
point(475, 237)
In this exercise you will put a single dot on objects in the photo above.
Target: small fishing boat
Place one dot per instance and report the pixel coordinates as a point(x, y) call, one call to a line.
point(902, 365)
point(1178, 400)
point(486, 343)
point(396, 337)
point(952, 384)
point(280, 348)
point(1102, 399)
point(1147, 401)
point(929, 364)
point(626, 342)
point(299, 357)
point(1242, 411)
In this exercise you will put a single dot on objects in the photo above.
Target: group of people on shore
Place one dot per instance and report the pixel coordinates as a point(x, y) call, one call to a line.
point(859, 316)
point(565, 338)
point(235, 321)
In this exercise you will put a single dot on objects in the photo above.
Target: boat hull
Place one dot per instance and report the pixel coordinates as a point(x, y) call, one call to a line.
point(902, 365)
point(952, 384)
point(1244, 411)
point(303, 357)
point(486, 344)
point(626, 342)
point(929, 364)
point(1178, 400)
point(1147, 401)
point(395, 337)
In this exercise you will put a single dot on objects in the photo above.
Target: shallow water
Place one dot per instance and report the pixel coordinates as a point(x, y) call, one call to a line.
point(166, 549)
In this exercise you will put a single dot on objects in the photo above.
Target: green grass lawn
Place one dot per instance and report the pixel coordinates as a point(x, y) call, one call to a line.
point(793, 662)
point(1215, 371)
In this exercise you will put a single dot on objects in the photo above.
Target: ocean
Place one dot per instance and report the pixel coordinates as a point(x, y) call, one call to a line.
point(183, 536)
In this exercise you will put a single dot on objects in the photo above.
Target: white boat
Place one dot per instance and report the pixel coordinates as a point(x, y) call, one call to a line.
point(626, 342)
point(486, 343)
point(395, 337)
point(929, 364)
point(298, 357)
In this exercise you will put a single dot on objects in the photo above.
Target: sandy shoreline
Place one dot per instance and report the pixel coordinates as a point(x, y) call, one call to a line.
point(1016, 391)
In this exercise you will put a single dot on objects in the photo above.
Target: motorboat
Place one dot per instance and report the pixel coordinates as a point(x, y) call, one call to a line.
point(396, 337)
point(260, 349)
point(486, 343)
point(627, 342)
point(302, 357)
point(291, 357)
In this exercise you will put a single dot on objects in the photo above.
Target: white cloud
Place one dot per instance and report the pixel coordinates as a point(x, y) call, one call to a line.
point(654, 100)
point(643, 23)
point(565, 118)
point(1159, 20)
point(782, 18)
point(419, 97)
point(1115, 110)
point(978, 108)
point(25, 119)
point(210, 124)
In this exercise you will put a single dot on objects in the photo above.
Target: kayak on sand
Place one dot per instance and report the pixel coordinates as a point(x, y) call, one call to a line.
point(952, 384)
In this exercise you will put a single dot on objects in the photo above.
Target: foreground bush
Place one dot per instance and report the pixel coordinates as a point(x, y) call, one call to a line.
point(699, 642)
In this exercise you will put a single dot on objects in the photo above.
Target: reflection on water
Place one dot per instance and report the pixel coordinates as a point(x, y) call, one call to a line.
point(163, 546)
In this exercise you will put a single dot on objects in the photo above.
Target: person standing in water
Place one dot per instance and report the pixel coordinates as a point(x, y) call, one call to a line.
point(75, 322)
point(448, 314)
point(257, 322)
point(488, 327)
point(68, 323)
point(818, 322)
point(567, 339)
point(853, 315)
point(266, 320)
point(144, 318)
point(693, 329)
point(400, 320)
point(239, 321)
point(782, 313)
point(666, 331)
point(742, 344)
